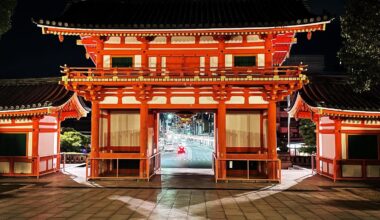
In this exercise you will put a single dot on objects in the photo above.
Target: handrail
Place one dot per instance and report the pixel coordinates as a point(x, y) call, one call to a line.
point(152, 72)
point(147, 159)
point(217, 160)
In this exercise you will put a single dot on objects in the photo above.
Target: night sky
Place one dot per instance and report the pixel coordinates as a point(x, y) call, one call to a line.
point(25, 52)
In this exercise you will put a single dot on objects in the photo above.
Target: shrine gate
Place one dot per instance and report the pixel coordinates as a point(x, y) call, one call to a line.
point(151, 56)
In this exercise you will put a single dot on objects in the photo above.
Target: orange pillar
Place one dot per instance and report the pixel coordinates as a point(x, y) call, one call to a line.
point(99, 55)
point(221, 57)
point(272, 139)
point(143, 136)
point(317, 163)
point(338, 149)
point(36, 159)
point(58, 141)
point(222, 138)
point(268, 50)
point(95, 112)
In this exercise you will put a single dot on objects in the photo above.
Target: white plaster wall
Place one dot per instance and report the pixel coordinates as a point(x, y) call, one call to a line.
point(137, 61)
point(183, 40)
point(228, 60)
point(158, 100)
point(344, 146)
point(236, 100)
point(152, 63)
point(103, 125)
point(4, 167)
point(207, 100)
point(373, 170)
point(22, 120)
point(131, 40)
point(47, 144)
point(22, 167)
point(260, 60)
point(106, 61)
point(182, 100)
point(159, 40)
point(5, 121)
point(110, 100)
point(207, 40)
point(327, 145)
point(265, 130)
point(236, 39)
point(163, 64)
point(325, 120)
point(254, 38)
point(42, 166)
point(30, 142)
point(49, 119)
point(213, 63)
point(129, 100)
point(256, 100)
point(351, 170)
point(113, 40)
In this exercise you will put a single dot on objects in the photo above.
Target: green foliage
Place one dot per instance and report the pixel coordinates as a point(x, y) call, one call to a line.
point(360, 54)
point(6, 10)
point(308, 150)
point(282, 144)
point(307, 131)
point(73, 141)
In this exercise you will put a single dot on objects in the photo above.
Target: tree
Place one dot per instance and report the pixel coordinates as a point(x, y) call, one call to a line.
point(73, 141)
point(360, 54)
point(6, 10)
point(307, 131)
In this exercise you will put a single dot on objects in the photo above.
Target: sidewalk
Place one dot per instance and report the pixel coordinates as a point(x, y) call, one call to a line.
point(58, 196)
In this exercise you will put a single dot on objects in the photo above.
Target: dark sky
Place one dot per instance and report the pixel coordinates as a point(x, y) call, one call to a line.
point(25, 52)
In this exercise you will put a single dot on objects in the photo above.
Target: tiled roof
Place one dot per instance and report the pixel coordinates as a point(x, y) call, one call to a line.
point(183, 14)
point(31, 94)
point(334, 93)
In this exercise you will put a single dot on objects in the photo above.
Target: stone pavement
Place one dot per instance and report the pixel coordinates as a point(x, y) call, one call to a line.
point(58, 196)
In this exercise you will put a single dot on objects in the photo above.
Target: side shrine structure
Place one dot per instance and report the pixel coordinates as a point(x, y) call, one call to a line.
point(169, 55)
point(31, 112)
point(347, 127)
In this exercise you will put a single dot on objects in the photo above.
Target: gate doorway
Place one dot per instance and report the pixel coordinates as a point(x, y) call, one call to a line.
point(186, 142)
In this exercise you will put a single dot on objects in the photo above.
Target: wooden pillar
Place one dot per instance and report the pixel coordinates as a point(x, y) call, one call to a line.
point(317, 163)
point(99, 53)
point(222, 138)
point(35, 156)
point(338, 148)
point(268, 50)
point(272, 138)
point(221, 57)
point(143, 136)
point(58, 164)
point(95, 112)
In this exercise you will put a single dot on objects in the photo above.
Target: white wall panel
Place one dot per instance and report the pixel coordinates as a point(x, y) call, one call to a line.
point(243, 129)
point(125, 128)
point(47, 142)
point(327, 145)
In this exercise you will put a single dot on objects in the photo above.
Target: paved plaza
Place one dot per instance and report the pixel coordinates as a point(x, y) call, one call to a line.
point(60, 196)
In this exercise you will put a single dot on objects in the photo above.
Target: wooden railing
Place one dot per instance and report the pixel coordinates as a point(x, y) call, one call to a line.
point(152, 165)
point(12, 160)
point(275, 168)
point(364, 165)
point(9, 164)
point(151, 72)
